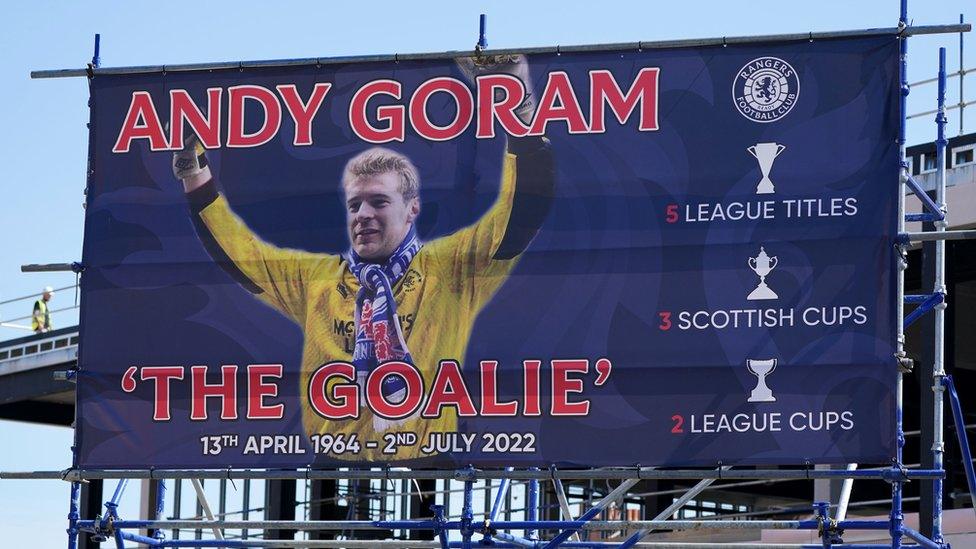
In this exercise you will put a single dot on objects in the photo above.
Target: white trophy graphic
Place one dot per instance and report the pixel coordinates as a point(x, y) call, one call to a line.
point(762, 264)
point(765, 153)
point(761, 369)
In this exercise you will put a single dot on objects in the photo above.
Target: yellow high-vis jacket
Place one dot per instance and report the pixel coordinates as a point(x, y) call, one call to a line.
point(41, 319)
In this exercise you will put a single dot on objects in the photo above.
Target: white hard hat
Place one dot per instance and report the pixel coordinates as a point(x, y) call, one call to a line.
point(49, 290)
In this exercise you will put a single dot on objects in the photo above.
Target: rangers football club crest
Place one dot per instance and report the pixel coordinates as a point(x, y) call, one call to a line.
point(765, 89)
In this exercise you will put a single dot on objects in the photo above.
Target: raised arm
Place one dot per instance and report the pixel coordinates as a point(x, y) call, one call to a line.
point(526, 191)
point(534, 187)
point(277, 276)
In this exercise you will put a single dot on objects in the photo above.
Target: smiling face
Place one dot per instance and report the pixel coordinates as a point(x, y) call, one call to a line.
point(377, 214)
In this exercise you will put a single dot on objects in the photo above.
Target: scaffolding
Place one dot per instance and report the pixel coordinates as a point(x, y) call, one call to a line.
point(488, 528)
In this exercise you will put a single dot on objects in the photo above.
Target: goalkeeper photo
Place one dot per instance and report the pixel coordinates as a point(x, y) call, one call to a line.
point(389, 273)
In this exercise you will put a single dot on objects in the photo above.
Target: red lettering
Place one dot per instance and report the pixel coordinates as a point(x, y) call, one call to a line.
point(671, 213)
point(303, 113)
point(462, 118)
point(161, 375)
point(226, 391)
point(533, 386)
point(129, 379)
point(489, 393)
point(393, 115)
point(449, 390)
point(562, 386)
point(183, 108)
point(604, 89)
point(603, 368)
point(374, 390)
point(346, 394)
point(666, 323)
point(239, 95)
point(258, 389)
point(559, 103)
point(504, 110)
point(141, 122)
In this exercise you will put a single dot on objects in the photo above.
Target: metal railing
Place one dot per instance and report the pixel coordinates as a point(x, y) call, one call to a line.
point(25, 303)
point(39, 344)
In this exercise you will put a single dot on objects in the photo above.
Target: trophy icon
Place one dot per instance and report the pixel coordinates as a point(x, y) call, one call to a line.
point(765, 153)
point(762, 264)
point(761, 369)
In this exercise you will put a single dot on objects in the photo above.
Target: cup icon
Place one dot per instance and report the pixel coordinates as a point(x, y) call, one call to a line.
point(765, 154)
point(761, 369)
point(762, 265)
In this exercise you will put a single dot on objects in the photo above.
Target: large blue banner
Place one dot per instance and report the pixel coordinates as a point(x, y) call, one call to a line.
point(677, 257)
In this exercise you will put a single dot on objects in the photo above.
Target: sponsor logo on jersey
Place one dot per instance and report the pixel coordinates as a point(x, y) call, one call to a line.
point(411, 280)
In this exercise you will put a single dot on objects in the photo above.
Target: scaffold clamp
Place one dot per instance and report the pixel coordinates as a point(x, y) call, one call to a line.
point(440, 524)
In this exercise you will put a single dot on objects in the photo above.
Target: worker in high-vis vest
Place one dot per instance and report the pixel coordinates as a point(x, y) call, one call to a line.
point(41, 321)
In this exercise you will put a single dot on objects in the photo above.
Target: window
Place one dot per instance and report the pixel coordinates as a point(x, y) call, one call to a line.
point(929, 162)
point(963, 155)
point(911, 165)
point(706, 508)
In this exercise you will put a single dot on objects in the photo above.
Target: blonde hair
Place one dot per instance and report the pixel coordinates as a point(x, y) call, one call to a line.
point(376, 161)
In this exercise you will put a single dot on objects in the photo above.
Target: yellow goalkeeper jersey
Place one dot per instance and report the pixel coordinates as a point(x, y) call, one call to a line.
point(446, 285)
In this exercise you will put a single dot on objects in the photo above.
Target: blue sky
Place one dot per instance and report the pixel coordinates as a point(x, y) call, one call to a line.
point(44, 139)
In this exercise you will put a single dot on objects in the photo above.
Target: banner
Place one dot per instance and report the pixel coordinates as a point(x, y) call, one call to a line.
point(672, 257)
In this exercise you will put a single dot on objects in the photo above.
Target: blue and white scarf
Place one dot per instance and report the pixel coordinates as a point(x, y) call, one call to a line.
point(379, 337)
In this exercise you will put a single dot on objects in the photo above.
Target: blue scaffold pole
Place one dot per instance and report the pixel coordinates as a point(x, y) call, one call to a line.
point(111, 515)
point(920, 539)
point(105, 526)
point(928, 303)
point(496, 506)
point(482, 37)
point(96, 57)
point(467, 514)
point(821, 510)
point(74, 515)
point(533, 505)
point(160, 507)
point(440, 525)
point(140, 539)
point(935, 213)
point(960, 421)
point(119, 490)
point(499, 497)
point(897, 516)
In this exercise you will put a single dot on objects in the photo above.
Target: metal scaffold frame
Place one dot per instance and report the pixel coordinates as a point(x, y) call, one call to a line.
point(498, 533)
